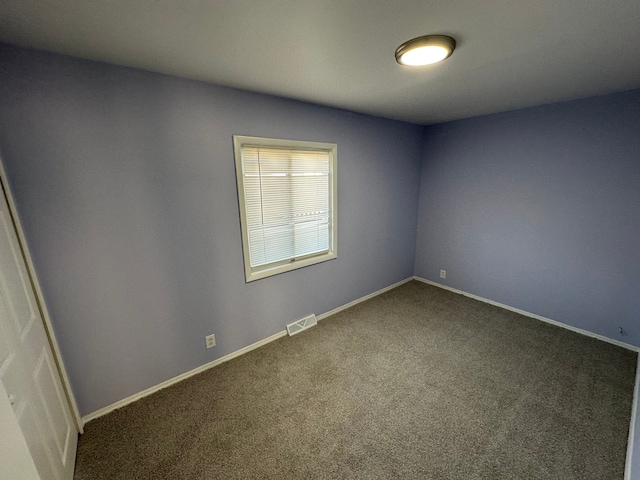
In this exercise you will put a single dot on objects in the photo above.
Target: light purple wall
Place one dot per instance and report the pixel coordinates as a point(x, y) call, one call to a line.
point(539, 209)
point(125, 184)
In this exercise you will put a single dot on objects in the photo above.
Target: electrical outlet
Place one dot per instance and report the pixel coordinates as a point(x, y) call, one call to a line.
point(443, 274)
point(210, 341)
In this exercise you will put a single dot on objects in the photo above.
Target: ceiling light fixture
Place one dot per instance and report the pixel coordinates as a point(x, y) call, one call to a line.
point(425, 50)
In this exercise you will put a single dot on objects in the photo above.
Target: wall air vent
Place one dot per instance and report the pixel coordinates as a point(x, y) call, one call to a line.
point(302, 324)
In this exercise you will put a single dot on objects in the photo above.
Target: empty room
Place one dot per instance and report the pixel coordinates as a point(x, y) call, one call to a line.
point(319, 240)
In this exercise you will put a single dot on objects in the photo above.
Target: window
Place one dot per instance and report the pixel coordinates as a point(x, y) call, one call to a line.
point(287, 198)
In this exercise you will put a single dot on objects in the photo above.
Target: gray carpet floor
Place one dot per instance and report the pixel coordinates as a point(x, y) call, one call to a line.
point(416, 383)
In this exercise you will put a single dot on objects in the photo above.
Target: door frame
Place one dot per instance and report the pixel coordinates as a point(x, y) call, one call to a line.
point(15, 218)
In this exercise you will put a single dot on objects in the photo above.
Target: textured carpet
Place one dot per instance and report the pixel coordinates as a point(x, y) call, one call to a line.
point(416, 383)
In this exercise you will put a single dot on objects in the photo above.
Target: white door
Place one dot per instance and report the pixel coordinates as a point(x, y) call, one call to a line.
point(27, 367)
point(15, 458)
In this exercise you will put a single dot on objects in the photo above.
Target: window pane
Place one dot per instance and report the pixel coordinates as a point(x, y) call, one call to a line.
point(288, 196)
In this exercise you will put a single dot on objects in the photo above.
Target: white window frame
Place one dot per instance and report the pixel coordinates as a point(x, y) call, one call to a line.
point(255, 273)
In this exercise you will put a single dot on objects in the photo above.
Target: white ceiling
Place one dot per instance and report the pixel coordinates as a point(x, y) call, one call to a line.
point(510, 54)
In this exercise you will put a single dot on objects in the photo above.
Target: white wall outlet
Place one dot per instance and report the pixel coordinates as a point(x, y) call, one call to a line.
point(443, 274)
point(210, 341)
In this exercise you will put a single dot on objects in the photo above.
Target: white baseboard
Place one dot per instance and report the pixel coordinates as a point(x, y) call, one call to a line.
point(363, 299)
point(636, 394)
point(226, 358)
point(628, 346)
point(179, 378)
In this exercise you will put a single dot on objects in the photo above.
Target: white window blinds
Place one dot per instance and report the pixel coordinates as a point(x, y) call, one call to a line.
point(288, 200)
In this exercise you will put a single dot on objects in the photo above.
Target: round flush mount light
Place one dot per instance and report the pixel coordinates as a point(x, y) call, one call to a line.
point(425, 50)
